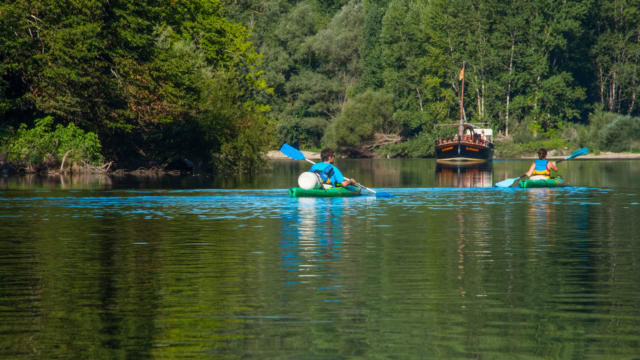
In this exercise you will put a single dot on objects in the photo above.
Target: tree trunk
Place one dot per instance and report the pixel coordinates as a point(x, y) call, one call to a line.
point(479, 95)
point(612, 92)
point(506, 121)
point(601, 86)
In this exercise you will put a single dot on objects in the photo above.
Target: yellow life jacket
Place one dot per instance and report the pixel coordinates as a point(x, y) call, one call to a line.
point(541, 168)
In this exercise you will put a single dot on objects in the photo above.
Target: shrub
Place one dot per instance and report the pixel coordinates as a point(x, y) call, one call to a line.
point(620, 135)
point(509, 149)
point(362, 116)
point(40, 146)
point(422, 145)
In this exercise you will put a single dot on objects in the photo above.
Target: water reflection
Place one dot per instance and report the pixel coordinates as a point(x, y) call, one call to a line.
point(434, 272)
point(464, 176)
point(540, 214)
point(311, 244)
point(74, 181)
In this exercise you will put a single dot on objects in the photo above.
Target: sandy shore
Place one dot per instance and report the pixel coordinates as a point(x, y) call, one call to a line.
point(601, 155)
point(276, 154)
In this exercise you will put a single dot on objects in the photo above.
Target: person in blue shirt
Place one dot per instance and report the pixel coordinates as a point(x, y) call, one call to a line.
point(329, 174)
point(542, 167)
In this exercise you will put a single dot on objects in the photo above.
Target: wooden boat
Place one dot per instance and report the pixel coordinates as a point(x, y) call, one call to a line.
point(554, 181)
point(320, 192)
point(471, 145)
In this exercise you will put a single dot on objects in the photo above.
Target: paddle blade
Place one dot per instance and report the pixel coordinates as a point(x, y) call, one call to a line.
point(377, 193)
point(506, 182)
point(579, 152)
point(292, 152)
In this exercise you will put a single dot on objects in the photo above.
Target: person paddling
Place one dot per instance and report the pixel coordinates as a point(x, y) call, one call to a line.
point(541, 168)
point(329, 173)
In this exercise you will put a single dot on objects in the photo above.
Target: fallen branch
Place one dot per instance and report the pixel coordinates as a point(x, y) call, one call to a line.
point(380, 140)
point(104, 168)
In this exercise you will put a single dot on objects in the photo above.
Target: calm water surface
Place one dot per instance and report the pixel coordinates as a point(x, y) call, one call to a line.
point(449, 268)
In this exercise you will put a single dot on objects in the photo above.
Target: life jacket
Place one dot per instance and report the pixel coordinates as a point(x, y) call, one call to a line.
point(326, 174)
point(541, 168)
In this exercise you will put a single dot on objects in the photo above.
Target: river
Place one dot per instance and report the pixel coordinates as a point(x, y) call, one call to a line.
point(232, 268)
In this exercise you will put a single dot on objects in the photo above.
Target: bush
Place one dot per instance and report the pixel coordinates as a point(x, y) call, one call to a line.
point(605, 131)
point(528, 137)
point(362, 116)
point(422, 145)
point(510, 149)
point(621, 135)
point(589, 135)
point(39, 146)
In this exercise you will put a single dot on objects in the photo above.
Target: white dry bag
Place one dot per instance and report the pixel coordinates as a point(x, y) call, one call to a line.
point(308, 180)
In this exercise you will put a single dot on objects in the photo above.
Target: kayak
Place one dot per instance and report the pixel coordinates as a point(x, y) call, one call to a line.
point(541, 183)
point(331, 192)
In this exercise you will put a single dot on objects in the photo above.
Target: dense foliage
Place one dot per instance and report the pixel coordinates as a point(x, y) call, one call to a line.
point(44, 146)
point(536, 71)
point(160, 83)
point(208, 83)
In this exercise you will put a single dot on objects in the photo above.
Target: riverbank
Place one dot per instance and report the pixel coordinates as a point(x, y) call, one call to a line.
point(599, 156)
point(276, 155)
point(6, 168)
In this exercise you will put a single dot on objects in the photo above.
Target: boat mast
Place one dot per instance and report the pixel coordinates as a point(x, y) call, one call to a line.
point(461, 127)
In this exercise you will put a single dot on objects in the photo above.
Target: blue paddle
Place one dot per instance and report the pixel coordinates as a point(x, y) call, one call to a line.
point(296, 154)
point(579, 152)
point(509, 182)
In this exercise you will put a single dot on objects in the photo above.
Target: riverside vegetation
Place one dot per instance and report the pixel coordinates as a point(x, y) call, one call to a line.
point(211, 85)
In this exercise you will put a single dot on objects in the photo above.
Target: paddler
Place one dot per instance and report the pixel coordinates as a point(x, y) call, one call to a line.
point(329, 173)
point(541, 168)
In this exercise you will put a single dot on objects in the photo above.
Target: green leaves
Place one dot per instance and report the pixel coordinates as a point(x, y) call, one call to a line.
point(42, 146)
point(621, 134)
point(363, 116)
point(161, 81)
point(134, 72)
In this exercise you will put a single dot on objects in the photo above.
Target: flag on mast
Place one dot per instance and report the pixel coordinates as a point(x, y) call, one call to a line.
point(461, 73)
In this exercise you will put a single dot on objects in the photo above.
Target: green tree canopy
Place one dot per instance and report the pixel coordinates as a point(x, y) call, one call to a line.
point(137, 73)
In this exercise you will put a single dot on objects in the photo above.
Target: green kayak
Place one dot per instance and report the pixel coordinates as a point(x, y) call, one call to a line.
point(541, 183)
point(332, 192)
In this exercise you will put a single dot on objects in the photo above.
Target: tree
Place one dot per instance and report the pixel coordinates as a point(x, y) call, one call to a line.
point(136, 73)
point(617, 55)
point(363, 115)
point(373, 12)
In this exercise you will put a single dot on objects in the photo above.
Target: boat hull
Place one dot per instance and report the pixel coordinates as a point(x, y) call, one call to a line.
point(542, 183)
point(463, 153)
point(332, 192)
